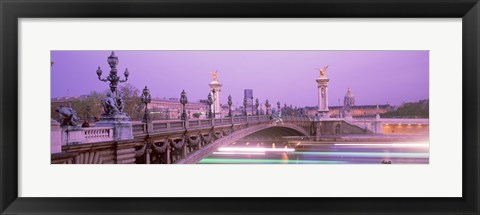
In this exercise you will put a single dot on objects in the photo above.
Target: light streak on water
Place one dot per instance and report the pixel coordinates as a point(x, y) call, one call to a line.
point(265, 161)
point(369, 154)
point(416, 152)
point(239, 153)
point(414, 145)
point(246, 149)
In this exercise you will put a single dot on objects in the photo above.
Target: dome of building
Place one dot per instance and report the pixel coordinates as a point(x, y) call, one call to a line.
point(349, 99)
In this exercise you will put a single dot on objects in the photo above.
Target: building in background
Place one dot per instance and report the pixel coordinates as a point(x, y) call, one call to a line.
point(169, 109)
point(248, 94)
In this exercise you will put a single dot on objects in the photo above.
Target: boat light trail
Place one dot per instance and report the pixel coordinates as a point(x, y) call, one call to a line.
point(239, 153)
point(245, 149)
point(414, 145)
point(369, 154)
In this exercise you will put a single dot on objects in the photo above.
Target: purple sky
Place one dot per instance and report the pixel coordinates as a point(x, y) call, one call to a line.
point(376, 77)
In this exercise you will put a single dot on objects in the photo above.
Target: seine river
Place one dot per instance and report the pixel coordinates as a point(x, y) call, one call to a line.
point(309, 152)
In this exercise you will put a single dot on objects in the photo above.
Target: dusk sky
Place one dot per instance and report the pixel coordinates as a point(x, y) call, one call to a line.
point(375, 77)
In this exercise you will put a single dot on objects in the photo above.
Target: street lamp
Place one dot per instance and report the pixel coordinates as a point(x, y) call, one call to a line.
point(245, 106)
point(256, 105)
point(229, 105)
point(267, 106)
point(113, 78)
point(365, 121)
point(278, 107)
point(146, 98)
point(209, 102)
point(183, 101)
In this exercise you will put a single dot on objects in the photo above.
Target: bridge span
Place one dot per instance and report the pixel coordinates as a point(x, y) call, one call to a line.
point(181, 142)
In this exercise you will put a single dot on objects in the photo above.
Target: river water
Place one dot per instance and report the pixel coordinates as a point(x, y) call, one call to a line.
point(310, 152)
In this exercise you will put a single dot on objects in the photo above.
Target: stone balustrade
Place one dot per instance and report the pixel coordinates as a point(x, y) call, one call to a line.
point(97, 134)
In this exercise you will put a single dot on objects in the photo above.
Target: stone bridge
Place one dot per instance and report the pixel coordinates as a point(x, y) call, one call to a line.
point(181, 142)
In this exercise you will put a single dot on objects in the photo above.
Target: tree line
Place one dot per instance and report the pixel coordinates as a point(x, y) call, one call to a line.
point(419, 109)
point(91, 107)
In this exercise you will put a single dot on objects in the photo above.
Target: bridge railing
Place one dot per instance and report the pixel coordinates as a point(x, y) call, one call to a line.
point(198, 123)
point(97, 134)
point(172, 125)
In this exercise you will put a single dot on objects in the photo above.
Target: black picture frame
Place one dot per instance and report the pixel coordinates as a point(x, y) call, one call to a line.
point(12, 10)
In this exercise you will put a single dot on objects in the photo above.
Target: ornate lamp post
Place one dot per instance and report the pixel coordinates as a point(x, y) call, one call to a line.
point(278, 107)
point(365, 121)
point(210, 102)
point(230, 106)
point(113, 78)
point(113, 104)
point(267, 106)
point(184, 101)
point(245, 106)
point(256, 105)
point(146, 98)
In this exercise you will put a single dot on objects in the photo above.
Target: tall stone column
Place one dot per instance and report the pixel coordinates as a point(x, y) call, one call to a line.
point(216, 88)
point(348, 103)
point(322, 83)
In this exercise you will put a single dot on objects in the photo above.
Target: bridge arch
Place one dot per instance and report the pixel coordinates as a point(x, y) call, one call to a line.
point(279, 129)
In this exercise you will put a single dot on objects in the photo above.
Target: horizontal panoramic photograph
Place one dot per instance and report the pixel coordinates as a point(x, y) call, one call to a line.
point(239, 107)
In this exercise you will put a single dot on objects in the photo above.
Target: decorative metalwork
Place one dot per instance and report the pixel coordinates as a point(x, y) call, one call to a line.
point(113, 104)
point(184, 101)
point(256, 105)
point(210, 102)
point(267, 106)
point(245, 106)
point(113, 78)
point(229, 105)
point(146, 98)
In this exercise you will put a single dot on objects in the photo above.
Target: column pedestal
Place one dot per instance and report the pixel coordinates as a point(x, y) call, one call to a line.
point(216, 88)
point(122, 127)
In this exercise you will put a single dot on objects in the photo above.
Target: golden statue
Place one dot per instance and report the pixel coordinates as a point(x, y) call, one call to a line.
point(323, 71)
point(215, 76)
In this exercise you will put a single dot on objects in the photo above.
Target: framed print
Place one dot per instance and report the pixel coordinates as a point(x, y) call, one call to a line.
point(288, 107)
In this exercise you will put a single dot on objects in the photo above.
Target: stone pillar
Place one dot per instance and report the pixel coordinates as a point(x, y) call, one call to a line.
point(55, 137)
point(122, 127)
point(378, 127)
point(322, 83)
point(72, 135)
point(149, 127)
point(318, 130)
point(216, 88)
